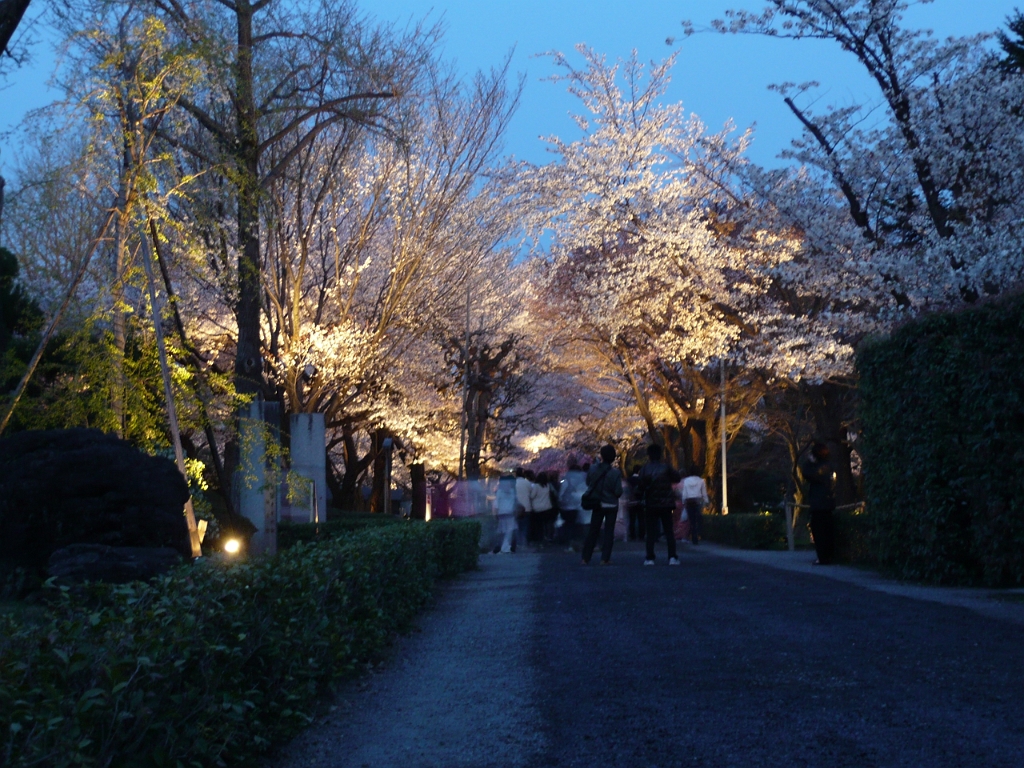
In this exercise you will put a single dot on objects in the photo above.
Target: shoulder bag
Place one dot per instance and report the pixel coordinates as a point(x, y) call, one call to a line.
point(591, 499)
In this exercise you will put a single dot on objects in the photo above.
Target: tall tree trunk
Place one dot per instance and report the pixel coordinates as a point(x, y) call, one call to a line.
point(202, 389)
point(119, 387)
point(479, 404)
point(378, 502)
point(348, 497)
point(697, 446)
point(832, 406)
point(248, 356)
point(11, 13)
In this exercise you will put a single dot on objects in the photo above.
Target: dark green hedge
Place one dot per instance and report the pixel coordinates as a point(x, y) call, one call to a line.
point(942, 407)
point(211, 665)
point(855, 537)
point(290, 534)
point(746, 531)
point(854, 532)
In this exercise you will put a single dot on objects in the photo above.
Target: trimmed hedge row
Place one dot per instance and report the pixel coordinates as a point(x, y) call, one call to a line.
point(942, 406)
point(290, 534)
point(745, 530)
point(854, 533)
point(211, 665)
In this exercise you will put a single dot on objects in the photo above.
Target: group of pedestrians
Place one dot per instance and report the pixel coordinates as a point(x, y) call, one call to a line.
point(537, 508)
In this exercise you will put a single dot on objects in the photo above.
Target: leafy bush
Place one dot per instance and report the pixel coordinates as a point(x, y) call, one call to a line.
point(942, 406)
point(290, 534)
point(855, 537)
point(854, 533)
point(746, 531)
point(214, 663)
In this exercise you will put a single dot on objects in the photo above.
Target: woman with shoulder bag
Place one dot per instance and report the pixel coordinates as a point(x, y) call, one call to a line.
point(604, 487)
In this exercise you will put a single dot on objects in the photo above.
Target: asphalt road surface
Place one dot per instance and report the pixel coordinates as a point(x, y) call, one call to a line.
point(535, 660)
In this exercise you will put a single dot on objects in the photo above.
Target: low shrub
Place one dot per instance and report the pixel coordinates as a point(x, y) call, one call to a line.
point(290, 534)
point(855, 537)
point(212, 664)
point(854, 532)
point(746, 531)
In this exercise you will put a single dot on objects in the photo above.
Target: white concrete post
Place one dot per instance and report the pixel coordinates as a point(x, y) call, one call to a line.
point(309, 458)
point(257, 501)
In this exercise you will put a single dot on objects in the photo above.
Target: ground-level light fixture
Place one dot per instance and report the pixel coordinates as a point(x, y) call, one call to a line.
point(232, 546)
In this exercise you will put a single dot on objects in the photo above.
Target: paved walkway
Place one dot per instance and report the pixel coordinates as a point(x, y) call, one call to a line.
point(731, 659)
point(1004, 604)
point(458, 692)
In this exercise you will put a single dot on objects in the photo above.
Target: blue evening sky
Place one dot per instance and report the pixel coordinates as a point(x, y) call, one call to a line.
point(717, 77)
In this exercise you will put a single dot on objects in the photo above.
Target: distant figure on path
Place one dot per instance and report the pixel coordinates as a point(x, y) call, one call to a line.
point(523, 505)
point(573, 485)
point(505, 504)
point(695, 498)
point(606, 482)
point(821, 481)
point(636, 508)
point(656, 480)
point(542, 504)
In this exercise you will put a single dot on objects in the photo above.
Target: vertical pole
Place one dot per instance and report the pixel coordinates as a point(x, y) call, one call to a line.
point(725, 480)
point(172, 414)
point(464, 417)
point(789, 526)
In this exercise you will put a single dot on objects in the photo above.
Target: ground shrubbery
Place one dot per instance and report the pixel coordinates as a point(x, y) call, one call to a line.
point(942, 406)
point(290, 534)
point(855, 537)
point(854, 533)
point(746, 531)
point(215, 662)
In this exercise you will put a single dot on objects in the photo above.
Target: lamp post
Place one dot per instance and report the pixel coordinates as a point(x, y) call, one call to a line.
point(725, 479)
point(464, 420)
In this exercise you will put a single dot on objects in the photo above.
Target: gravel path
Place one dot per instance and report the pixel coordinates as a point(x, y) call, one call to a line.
point(731, 659)
point(460, 692)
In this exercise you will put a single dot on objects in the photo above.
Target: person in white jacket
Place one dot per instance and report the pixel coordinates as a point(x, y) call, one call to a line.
point(523, 504)
point(542, 508)
point(695, 497)
point(505, 506)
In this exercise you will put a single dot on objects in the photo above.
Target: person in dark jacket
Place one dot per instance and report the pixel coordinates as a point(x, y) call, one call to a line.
point(656, 480)
point(606, 480)
point(821, 481)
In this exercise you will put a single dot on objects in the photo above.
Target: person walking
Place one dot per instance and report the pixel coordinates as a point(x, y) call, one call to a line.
point(505, 505)
point(635, 507)
point(604, 481)
point(573, 485)
point(656, 479)
point(523, 505)
point(542, 509)
point(821, 481)
point(695, 498)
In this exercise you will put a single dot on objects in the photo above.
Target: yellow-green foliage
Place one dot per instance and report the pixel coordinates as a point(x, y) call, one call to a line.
point(217, 661)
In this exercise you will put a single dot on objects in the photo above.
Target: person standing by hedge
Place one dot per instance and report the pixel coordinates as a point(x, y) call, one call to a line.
point(821, 481)
point(656, 479)
point(695, 498)
point(604, 481)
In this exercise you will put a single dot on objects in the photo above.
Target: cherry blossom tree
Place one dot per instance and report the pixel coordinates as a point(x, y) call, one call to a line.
point(372, 244)
point(907, 203)
point(910, 203)
point(655, 256)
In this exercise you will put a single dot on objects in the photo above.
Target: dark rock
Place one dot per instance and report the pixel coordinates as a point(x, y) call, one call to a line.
point(80, 486)
point(97, 562)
